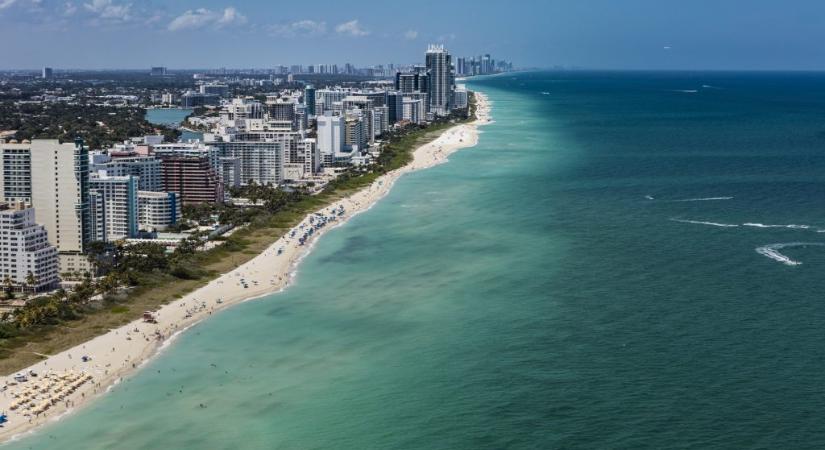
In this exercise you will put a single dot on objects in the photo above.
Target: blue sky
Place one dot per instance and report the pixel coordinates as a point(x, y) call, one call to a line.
point(617, 34)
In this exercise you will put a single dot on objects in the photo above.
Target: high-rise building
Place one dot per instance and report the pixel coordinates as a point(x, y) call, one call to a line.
point(48, 73)
point(157, 210)
point(26, 257)
point(115, 207)
point(441, 80)
point(145, 168)
point(413, 110)
point(411, 82)
point(331, 138)
point(395, 107)
point(356, 134)
point(281, 110)
point(60, 194)
point(158, 71)
point(192, 178)
point(460, 98)
point(309, 99)
point(461, 66)
point(16, 168)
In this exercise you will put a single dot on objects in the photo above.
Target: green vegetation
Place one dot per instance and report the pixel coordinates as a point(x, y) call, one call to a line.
point(99, 126)
point(143, 277)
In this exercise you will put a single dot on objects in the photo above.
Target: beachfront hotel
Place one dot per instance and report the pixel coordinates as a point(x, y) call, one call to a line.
point(26, 257)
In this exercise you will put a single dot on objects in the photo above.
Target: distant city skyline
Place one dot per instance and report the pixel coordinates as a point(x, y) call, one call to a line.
point(598, 34)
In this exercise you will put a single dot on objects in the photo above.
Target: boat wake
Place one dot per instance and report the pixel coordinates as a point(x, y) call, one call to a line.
point(762, 225)
point(703, 199)
point(772, 251)
point(699, 222)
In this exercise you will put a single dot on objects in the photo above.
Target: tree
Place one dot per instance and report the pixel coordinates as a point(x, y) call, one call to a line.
point(8, 284)
point(31, 281)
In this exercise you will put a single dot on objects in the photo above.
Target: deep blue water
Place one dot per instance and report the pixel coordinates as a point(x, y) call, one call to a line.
point(583, 278)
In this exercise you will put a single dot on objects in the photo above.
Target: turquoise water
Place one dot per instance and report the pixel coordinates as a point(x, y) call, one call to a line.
point(561, 285)
point(172, 116)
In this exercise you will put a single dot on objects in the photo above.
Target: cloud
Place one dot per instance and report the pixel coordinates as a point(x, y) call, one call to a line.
point(202, 17)
point(446, 37)
point(109, 10)
point(5, 4)
point(299, 28)
point(69, 9)
point(231, 16)
point(411, 35)
point(351, 28)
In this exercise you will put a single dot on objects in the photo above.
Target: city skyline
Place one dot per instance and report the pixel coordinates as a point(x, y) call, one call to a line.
point(641, 34)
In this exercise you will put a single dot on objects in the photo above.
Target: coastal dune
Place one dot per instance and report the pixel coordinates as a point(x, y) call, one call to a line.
point(120, 352)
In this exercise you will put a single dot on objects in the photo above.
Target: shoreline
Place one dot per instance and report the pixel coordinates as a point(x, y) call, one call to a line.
point(125, 350)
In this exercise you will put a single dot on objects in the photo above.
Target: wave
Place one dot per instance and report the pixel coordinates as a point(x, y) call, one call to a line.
point(703, 199)
point(762, 225)
point(649, 197)
point(699, 222)
point(686, 91)
point(772, 251)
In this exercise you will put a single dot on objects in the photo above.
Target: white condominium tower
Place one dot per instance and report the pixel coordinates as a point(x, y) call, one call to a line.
point(60, 195)
point(440, 80)
point(26, 257)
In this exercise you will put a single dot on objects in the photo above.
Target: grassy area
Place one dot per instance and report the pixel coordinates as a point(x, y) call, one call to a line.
point(30, 347)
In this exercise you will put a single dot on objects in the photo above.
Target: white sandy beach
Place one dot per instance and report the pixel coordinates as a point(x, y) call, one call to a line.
point(121, 351)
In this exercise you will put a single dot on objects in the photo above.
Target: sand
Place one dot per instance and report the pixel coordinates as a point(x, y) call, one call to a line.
point(122, 351)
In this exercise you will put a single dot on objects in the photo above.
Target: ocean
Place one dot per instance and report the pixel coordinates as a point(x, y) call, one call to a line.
point(626, 260)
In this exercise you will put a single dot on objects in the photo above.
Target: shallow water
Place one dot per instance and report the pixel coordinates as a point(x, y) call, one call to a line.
point(564, 284)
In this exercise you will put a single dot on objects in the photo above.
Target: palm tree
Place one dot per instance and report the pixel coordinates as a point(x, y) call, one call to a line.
point(9, 287)
point(31, 281)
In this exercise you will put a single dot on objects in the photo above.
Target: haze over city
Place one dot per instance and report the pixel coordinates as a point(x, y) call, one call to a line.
point(595, 34)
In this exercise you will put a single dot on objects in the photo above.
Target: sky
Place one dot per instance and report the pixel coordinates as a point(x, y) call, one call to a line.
point(592, 34)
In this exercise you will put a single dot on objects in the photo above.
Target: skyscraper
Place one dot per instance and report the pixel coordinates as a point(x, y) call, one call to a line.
point(309, 99)
point(440, 80)
point(60, 194)
point(48, 73)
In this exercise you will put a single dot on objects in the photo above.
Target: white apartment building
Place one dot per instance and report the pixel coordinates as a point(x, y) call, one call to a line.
point(331, 138)
point(413, 110)
point(460, 97)
point(157, 210)
point(60, 195)
point(115, 203)
point(25, 249)
point(145, 168)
